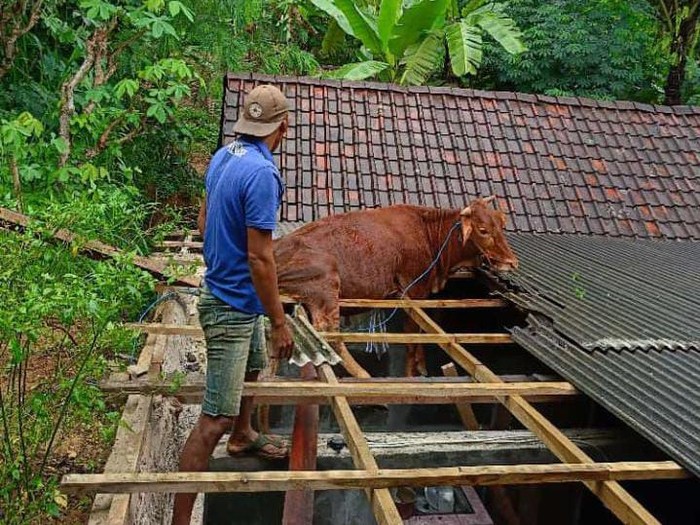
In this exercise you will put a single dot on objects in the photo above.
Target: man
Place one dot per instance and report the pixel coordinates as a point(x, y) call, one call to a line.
point(243, 193)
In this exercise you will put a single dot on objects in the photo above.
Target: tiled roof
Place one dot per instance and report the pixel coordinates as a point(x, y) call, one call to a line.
point(559, 165)
point(618, 319)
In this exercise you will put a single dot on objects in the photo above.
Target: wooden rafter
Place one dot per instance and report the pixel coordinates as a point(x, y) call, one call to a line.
point(382, 504)
point(611, 493)
point(369, 478)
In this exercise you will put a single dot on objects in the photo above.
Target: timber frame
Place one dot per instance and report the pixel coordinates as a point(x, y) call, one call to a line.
point(319, 385)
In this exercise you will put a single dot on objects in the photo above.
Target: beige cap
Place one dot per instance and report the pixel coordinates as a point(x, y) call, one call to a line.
point(264, 109)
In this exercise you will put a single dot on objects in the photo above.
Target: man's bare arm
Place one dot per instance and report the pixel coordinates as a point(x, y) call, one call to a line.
point(264, 273)
point(202, 217)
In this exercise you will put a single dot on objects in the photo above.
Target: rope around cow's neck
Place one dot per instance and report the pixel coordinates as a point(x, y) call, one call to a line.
point(381, 325)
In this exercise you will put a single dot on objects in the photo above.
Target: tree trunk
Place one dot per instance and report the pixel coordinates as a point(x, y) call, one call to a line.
point(681, 47)
point(17, 183)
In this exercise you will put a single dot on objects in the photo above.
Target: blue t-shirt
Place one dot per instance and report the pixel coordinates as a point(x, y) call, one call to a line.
point(244, 190)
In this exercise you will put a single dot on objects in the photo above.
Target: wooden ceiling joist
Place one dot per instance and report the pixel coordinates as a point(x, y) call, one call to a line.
point(368, 478)
point(611, 493)
point(347, 337)
point(367, 392)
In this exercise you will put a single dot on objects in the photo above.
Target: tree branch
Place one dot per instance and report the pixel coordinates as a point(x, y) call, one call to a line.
point(92, 46)
point(10, 43)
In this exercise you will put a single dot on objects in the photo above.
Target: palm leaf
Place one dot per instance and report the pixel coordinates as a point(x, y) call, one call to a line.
point(423, 59)
point(389, 12)
point(363, 27)
point(328, 7)
point(358, 70)
point(503, 30)
point(465, 46)
point(415, 20)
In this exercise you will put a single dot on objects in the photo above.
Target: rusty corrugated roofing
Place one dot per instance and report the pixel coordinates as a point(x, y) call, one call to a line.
point(558, 165)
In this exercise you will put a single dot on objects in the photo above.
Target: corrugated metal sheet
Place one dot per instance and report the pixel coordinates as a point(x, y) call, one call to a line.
point(655, 392)
point(611, 293)
point(619, 319)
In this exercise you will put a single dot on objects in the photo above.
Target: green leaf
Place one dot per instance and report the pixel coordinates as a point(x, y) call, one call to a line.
point(327, 6)
point(464, 43)
point(175, 8)
point(503, 30)
point(59, 143)
point(414, 22)
point(358, 70)
point(363, 27)
point(389, 12)
point(423, 59)
point(127, 86)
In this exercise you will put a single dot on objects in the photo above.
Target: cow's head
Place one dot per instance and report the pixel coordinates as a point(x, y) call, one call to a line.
point(484, 225)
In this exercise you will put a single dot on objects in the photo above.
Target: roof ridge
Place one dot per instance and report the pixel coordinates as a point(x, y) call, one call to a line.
point(620, 105)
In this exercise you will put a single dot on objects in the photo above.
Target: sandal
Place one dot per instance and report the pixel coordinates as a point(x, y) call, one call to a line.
point(257, 448)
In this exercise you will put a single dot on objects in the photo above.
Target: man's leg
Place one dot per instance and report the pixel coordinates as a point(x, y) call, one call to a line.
point(195, 458)
point(243, 433)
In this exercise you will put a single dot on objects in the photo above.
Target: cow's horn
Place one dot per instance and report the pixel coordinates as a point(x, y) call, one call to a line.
point(466, 212)
point(489, 199)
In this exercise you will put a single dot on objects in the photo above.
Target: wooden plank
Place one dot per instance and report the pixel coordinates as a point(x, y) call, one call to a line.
point(611, 493)
point(299, 504)
point(144, 361)
point(95, 249)
point(347, 337)
point(366, 337)
point(292, 392)
point(466, 414)
point(383, 506)
point(422, 303)
point(275, 481)
point(181, 244)
point(124, 458)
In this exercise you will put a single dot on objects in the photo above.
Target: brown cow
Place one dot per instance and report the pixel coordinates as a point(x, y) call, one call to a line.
point(377, 253)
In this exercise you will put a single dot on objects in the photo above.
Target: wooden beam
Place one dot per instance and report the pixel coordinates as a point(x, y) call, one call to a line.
point(181, 244)
point(365, 337)
point(95, 249)
point(274, 481)
point(611, 493)
point(422, 303)
point(347, 337)
point(124, 458)
point(466, 414)
point(398, 392)
point(383, 506)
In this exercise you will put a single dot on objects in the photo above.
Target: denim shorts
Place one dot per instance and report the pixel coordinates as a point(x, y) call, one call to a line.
point(235, 345)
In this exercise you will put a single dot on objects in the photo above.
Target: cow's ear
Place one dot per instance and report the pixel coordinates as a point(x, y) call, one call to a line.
point(466, 221)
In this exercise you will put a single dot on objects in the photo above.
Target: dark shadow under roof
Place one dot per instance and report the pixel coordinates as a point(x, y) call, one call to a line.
point(558, 165)
point(619, 319)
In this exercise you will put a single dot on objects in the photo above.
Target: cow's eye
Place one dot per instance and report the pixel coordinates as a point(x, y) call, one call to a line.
point(483, 231)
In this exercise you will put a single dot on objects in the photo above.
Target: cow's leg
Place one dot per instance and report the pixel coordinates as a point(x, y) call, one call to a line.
point(415, 353)
point(327, 318)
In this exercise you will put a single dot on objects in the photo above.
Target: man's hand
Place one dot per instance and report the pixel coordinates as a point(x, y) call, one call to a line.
point(282, 342)
point(264, 274)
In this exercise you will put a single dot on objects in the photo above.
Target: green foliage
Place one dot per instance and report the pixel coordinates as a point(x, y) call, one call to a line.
point(410, 38)
point(602, 49)
point(58, 317)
